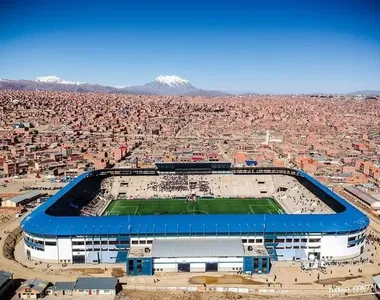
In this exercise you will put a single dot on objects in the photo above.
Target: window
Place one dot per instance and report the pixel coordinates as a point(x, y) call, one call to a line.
point(279, 240)
point(114, 242)
point(251, 241)
point(268, 240)
point(259, 240)
point(51, 243)
point(149, 242)
point(244, 241)
point(104, 242)
point(296, 247)
point(77, 243)
point(96, 242)
point(135, 242)
point(303, 240)
point(296, 240)
point(88, 242)
point(352, 238)
point(314, 240)
point(142, 242)
point(288, 240)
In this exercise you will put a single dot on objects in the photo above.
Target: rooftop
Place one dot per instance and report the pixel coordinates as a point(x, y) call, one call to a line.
point(4, 276)
point(38, 285)
point(63, 286)
point(23, 197)
point(96, 283)
point(255, 250)
point(197, 247)
point(367, 198)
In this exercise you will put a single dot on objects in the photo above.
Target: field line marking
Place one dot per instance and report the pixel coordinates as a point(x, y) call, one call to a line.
point(275, 208)
point(250, 207)
point(137, 208)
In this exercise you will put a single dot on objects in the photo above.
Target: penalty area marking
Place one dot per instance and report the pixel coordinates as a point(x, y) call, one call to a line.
point(118, 211)
point(253, 211)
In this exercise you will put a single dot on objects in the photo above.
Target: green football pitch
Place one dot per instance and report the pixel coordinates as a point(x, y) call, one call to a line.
point(200, 206)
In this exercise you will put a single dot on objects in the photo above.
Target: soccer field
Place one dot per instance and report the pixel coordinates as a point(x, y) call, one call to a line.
point(201, 206)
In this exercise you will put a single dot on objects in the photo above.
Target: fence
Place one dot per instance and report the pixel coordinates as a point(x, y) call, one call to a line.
point(240, 290)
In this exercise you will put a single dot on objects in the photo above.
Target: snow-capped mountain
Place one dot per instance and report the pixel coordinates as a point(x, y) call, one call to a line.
point(172, 80)
point(168, 85)
point(163, 85)
point(55, 79)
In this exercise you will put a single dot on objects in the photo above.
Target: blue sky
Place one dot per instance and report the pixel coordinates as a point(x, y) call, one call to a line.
point(238, 46)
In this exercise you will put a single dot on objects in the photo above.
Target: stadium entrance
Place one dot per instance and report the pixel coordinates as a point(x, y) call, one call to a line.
point(184, 267)
point(211, 267)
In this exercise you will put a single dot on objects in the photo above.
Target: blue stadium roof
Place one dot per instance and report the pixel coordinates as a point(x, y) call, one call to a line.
point(40, 223)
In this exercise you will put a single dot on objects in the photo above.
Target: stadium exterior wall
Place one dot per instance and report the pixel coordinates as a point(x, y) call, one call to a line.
point(108, 239)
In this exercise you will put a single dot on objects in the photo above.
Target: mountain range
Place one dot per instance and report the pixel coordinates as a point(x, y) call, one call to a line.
point(162, 85)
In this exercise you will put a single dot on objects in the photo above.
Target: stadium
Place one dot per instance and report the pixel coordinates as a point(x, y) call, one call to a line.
point(194, 217)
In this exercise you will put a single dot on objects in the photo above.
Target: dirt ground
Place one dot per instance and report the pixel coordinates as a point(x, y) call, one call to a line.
point(225, 279)
point(162, 295)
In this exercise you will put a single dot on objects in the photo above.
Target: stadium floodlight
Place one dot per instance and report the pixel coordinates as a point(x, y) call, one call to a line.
point(349, 226)
point(337, 228)
point(286, 226)
point(294, 232)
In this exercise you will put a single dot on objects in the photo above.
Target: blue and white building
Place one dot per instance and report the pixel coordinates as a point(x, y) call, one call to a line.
point(190, 243)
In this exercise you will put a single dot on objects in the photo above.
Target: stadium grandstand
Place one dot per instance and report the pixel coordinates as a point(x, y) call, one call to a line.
point(194, 217)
